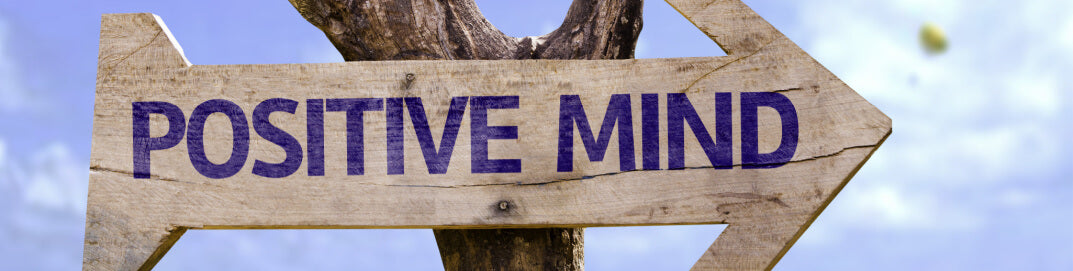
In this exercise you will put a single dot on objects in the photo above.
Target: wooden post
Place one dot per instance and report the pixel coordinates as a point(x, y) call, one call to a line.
point(456, 30)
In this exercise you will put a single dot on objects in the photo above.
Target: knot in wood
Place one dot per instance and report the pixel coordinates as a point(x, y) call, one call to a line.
point(503, 205)
point(409, 80)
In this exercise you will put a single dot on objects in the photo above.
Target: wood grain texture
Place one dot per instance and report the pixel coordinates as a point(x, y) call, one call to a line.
point(456, 30)
point(131, 222)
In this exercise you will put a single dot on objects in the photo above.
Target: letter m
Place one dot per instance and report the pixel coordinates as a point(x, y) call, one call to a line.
point(572, 112)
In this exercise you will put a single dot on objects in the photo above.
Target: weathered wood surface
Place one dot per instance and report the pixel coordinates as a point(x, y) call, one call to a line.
point(131, 222)
point(456, 30)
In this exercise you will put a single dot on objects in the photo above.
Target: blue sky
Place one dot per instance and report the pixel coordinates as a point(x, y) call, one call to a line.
point(976, 176)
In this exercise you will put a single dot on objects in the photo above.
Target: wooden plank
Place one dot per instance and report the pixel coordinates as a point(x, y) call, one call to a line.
point(132, 221)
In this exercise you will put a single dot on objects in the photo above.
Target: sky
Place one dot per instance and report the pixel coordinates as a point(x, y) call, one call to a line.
point(976, 175)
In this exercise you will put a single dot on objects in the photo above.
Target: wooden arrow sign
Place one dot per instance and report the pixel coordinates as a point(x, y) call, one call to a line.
point(761, 139)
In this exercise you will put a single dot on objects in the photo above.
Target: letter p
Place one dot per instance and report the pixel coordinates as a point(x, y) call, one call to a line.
point(143, 143)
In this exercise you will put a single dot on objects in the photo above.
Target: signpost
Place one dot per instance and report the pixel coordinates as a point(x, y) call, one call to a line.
point(761, 139)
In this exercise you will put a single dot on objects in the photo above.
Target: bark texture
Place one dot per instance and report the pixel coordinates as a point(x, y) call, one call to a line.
point(456, 30)
point(512, 249)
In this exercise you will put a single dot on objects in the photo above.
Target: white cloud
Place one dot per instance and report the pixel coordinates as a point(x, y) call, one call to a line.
point(1018, 198)
point(1066, 34)
point(890, 207)
point(57, 181)
point(1033, 94)
point(42, 207)
point(941, 11)
point(50, 180)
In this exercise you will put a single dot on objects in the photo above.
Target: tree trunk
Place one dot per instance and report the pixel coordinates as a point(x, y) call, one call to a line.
point(456, 30)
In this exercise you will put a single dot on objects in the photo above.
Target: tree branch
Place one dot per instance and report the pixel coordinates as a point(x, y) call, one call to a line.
point(456, 29)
